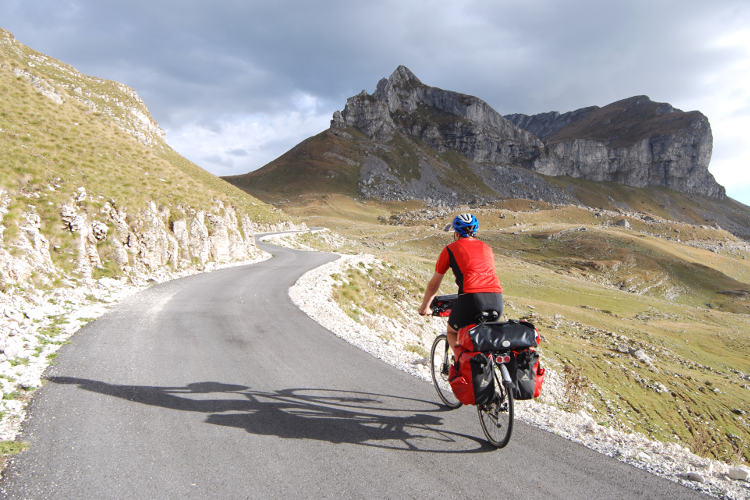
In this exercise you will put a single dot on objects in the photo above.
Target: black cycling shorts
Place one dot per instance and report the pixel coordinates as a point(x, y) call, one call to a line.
point(469, 306)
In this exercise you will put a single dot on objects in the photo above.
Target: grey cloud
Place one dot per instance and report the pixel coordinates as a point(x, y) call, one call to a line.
point(192, 57)
point(194, 61)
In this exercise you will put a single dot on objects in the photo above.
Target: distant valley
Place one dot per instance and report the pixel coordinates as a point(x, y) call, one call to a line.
point(410, 141)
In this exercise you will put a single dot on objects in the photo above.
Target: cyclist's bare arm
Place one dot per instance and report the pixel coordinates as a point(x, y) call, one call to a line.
point(430, 291)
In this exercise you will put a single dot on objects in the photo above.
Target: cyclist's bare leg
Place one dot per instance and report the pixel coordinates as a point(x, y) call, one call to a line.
point(452, 338)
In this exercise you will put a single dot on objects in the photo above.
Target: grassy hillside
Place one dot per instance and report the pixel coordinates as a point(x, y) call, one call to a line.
point(61, 131)
point(628, 307)
point(325, 163)
point(660, 202)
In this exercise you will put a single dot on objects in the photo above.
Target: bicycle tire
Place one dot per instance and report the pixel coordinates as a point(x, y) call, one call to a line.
point(441, 357)
point(496, 418)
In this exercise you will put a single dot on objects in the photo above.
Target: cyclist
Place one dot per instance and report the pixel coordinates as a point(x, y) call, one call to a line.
point(473, 265)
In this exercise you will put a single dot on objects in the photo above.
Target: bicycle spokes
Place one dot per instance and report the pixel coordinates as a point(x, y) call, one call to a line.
point(441, 358)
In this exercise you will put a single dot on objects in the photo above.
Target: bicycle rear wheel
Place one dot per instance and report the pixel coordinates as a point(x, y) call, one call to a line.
point(496, 417)
point(441, 357)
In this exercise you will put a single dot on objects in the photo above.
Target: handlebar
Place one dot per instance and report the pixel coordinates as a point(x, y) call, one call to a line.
point(442, 305)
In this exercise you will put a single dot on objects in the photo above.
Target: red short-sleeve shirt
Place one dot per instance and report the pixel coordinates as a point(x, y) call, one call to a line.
point(473, 264)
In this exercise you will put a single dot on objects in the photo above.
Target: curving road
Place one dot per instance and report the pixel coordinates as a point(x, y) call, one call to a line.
point(217, 386)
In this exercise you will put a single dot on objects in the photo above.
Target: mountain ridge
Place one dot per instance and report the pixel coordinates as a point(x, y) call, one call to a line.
point(410, 141)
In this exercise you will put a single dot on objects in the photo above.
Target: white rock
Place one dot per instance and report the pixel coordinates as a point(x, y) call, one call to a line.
point(693, 476)
point(99, 229)
point(34, 314)
point(739, 473)
point(641, 356)
point(14, 348)
point(13, 405)
point(14, 315)
point(660, 388)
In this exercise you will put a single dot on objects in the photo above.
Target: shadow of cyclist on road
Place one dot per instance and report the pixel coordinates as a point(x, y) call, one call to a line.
point(336, 416)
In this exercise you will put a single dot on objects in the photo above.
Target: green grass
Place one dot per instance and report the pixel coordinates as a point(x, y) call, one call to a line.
point(418, 349)
point(19, 361)
point(13, 447)
point(13, 395)
point(583, 316)
point(324, 164)
point(50, 150)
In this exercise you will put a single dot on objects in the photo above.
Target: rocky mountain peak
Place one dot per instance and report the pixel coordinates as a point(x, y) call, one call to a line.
point(403, 77)
point(633, 141)
point(644, 103)
point(399, 91)
point(444, 120)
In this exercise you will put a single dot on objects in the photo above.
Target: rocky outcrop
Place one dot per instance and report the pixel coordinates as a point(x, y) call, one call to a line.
point(27, 252)
point(634, 141)
point(444, 120)
point(154, 241)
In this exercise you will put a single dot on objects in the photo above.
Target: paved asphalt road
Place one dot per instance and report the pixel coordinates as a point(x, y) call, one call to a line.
point(217, 386)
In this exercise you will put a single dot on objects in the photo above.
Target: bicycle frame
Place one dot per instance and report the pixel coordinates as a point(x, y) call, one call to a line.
point(504, 373)
point(491, 414)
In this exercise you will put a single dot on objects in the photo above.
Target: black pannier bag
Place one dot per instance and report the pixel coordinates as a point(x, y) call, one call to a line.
point(526, 374)
point(502, 336)
point(484, 383)
point(471, 378)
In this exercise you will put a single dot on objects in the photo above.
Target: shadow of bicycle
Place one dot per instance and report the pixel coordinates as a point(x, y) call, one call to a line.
point(336, 416)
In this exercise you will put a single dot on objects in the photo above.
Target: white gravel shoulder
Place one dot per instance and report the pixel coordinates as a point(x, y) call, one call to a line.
point(313, 294)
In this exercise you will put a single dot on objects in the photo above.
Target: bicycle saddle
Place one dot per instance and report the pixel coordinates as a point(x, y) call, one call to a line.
point(487, 316)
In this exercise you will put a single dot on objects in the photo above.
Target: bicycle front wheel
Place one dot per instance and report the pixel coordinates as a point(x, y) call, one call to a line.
point(496, 417)
point(441, 358)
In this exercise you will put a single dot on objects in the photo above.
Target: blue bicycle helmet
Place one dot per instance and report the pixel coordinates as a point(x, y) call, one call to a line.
point(465, 225)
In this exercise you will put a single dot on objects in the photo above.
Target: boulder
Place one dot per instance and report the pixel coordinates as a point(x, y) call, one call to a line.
point(739, 473)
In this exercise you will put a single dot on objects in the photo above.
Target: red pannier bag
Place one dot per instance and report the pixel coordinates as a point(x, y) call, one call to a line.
point(471, 378)
point(526, 373)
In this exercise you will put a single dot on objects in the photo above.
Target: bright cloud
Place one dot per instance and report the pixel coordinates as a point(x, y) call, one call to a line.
point(237, 144)
point(726, 103)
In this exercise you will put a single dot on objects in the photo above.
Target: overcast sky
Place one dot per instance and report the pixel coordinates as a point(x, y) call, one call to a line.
point(237, 83)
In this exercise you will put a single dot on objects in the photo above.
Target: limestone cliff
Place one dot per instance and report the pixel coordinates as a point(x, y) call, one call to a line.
point(152, 242)
point(444, 120)
point(635, 141)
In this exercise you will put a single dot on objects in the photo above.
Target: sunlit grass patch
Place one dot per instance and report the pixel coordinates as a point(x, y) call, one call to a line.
point(13, 447)
point(642, 362)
